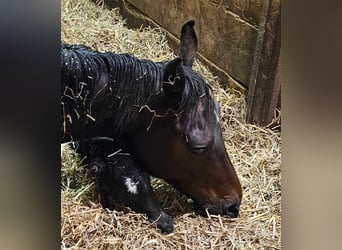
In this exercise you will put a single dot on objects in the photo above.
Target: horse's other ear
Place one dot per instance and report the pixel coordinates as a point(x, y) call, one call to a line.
point(174, 80)
point(188, 46)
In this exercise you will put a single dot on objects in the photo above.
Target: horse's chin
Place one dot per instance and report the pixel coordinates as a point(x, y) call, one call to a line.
point(224, 207)
point(205, 208)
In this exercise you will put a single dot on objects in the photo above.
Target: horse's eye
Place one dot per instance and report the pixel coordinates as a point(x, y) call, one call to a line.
point(199, 150)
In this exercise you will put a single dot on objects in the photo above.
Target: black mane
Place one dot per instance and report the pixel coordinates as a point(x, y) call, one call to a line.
point(109, 87)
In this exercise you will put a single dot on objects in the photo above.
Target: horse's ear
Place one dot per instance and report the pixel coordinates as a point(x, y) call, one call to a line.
point(174, 80)
point(188, 46)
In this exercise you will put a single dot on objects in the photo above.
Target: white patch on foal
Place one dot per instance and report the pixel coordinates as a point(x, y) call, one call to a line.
point(132, 186)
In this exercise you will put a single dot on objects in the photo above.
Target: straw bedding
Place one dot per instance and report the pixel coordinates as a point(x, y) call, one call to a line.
point(255, 153)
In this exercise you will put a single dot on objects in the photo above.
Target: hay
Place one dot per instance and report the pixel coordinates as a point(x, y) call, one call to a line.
point(254, 151)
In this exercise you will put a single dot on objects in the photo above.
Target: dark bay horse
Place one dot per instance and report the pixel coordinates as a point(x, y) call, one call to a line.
point(163, 114)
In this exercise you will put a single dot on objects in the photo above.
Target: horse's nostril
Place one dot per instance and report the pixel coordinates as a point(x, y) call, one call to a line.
point(231, 208)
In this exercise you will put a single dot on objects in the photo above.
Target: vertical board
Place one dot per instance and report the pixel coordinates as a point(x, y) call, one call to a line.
point(264, 87)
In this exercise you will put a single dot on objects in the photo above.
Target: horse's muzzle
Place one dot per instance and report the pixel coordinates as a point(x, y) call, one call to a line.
point(231, 207)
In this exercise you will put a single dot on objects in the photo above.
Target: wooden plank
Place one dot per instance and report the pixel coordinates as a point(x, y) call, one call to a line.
point(224, 38)
point(264, 85)
point(248, 10)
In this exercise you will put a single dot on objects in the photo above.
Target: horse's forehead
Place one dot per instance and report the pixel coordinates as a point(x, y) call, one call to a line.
point(200, 115)
point(201, 105)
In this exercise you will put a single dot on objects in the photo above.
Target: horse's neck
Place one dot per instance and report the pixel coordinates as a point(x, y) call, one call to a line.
point(127, 67)
point(131, 84)
point(132, 76)
point(106, 89)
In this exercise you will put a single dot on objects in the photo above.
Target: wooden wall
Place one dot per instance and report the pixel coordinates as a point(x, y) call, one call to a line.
point(238, 39)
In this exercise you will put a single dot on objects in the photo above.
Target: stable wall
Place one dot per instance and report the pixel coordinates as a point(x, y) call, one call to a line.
point(238, 39)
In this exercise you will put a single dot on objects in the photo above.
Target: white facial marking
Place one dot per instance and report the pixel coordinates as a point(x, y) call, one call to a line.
point(217, 116)
point(132, 187)
point(200, 107)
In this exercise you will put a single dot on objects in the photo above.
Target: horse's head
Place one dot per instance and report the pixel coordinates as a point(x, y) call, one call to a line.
point(182, 142)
